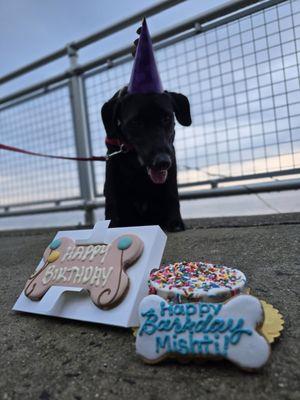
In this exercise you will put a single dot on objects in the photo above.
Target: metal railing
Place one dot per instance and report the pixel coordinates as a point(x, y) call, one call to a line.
point(239, 66)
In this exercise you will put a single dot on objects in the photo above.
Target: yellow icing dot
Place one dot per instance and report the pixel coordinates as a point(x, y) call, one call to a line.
point(53, 256)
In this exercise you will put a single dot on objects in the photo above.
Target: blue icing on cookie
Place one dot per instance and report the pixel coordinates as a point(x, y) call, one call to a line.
point(124, 243)
point(55, 244)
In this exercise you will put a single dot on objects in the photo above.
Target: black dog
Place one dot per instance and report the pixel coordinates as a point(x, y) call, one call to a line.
point(141, 185)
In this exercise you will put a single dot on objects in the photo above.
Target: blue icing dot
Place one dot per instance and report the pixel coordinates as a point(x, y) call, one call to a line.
point(124, 243)
point(55, 244)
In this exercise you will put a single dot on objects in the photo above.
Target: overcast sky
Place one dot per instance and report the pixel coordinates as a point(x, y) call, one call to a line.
point(30, 29)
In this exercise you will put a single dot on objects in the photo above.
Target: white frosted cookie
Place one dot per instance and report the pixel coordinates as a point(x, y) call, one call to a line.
point(203, 330)
point(196, 281)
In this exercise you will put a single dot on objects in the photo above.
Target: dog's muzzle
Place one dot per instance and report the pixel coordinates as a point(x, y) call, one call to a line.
point(158, 172)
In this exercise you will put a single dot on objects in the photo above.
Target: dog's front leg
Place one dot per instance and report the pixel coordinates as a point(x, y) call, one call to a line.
point(110, 194)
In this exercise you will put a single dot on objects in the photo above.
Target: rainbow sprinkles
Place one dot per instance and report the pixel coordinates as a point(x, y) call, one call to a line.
point(196, 281)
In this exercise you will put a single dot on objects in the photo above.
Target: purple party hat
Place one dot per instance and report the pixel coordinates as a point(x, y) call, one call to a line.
point(144, 76)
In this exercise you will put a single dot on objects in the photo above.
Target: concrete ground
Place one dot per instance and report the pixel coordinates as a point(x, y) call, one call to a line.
point(48, 358)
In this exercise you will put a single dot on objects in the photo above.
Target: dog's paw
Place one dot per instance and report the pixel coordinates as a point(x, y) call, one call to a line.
point(175, 226)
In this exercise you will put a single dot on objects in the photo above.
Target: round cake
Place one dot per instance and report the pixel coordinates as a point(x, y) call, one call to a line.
point(196, 281)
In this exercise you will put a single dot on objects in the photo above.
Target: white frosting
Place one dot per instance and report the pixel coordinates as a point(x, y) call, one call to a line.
point(83, 253)
point(77, 275)
point(204, 330)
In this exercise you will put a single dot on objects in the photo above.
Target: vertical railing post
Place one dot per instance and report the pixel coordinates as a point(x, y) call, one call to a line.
point(81, 137)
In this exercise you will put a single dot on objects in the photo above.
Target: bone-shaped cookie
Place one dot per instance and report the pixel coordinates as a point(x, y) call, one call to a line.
point(98, 268)
point(204, 330)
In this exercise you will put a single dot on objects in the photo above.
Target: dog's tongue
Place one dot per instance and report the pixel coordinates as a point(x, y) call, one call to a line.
point(158, 176)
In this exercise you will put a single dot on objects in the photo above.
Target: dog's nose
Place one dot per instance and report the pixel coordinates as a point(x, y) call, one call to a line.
point(162, 161)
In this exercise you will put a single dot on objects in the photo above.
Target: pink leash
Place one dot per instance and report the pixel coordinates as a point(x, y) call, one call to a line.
point(93, 158)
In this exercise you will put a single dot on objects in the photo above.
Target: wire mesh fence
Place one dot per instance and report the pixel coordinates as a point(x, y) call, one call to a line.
point(42, 123)
point(242, 80)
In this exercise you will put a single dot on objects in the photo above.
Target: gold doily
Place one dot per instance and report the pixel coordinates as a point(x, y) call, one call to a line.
point(134, 330)
point(273, 323)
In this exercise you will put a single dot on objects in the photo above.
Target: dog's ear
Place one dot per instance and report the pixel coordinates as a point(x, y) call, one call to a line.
point(109, 113)
point(181, 107)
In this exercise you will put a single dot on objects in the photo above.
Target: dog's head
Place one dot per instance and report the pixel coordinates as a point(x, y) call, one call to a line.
point(146, 122)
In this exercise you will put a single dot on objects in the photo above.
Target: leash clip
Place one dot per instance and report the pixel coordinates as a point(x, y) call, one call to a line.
point(121, 150)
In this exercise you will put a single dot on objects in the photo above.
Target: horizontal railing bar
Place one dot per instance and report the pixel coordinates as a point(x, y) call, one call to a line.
point(39, 202)
point(206, 17)
point(116, 27)
point(46, 210)
point(291, 184)
point(216, 181)
point(33, 95)
point(34, 65)
point(38, 86)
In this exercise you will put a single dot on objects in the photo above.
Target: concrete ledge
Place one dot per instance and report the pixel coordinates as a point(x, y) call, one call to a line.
point(48, 358)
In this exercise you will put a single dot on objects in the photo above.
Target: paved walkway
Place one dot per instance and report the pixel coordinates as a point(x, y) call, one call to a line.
point(48, 358)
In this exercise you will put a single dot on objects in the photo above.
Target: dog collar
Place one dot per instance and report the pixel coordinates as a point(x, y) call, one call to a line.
point(119, 143)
